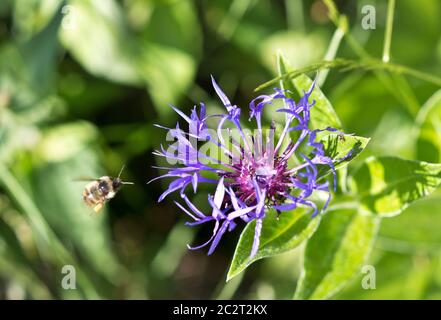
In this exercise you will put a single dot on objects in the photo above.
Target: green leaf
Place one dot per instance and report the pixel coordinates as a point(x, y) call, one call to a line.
point(322, 113)
point(335, 253)
point(397, 276)
point(96, 35)
point(173, 24)
point(40, 53)
point(283, 66)
point(428, 145)
point(342, 148)
point(416, 228)
point(278, 236)
point(162, 55)
point(387, 185)
point(171, 45)
point(166, 65)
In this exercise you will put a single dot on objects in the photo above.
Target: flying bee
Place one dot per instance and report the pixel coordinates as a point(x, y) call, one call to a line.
point(99, 191)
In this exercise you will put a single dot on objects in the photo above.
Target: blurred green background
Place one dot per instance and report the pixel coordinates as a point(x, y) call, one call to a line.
point(81, 85)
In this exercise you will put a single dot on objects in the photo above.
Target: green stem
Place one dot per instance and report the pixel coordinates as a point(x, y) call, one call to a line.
point(346, 65)
point(390, 83)
point(294, 15)
point(407, 93)
point(295, 73)
point(235, 13)
point(170, 254)
point(388, 32)
point(366, 63)
point(331, 53)
point(226, 291)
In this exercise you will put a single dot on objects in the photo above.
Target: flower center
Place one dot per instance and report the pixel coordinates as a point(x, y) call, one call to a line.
point(272, 177)
point(264, 175)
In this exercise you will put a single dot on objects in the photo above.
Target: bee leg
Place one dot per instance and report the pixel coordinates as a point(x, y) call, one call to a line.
point(98, 207)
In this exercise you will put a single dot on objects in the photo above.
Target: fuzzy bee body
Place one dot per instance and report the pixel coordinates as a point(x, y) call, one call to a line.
point(101, 190)
point(98, 192)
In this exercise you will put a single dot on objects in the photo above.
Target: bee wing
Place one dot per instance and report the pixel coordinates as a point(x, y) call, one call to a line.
point(85, 179)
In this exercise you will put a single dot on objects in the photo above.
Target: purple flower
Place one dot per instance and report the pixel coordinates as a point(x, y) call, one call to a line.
point(255, 174)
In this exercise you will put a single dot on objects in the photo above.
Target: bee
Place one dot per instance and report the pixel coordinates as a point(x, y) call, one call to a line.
point(101, 190)
point(341, 137)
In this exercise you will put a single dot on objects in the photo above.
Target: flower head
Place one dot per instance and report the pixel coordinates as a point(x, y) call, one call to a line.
point(256, 174)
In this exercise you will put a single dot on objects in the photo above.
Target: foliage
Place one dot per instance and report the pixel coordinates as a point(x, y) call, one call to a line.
point(82, 83)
